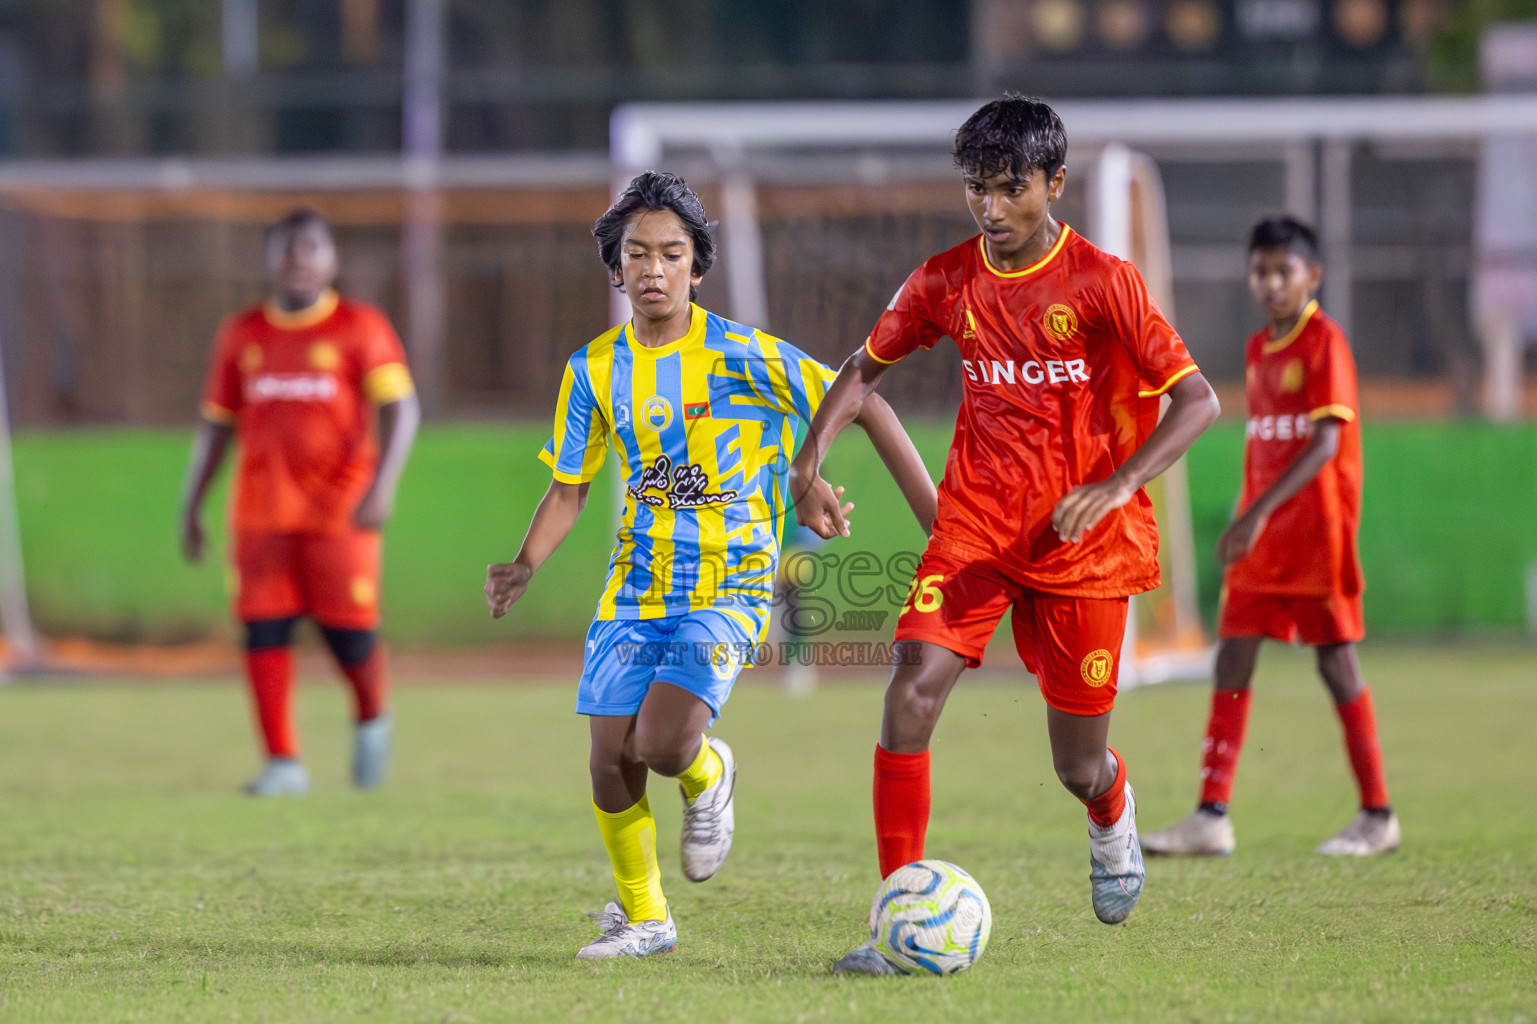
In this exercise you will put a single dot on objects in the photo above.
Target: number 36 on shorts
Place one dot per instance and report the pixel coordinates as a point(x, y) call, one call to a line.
point(923, 594)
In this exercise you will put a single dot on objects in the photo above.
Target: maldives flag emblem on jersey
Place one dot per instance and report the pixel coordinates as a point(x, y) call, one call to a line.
point(696, 410)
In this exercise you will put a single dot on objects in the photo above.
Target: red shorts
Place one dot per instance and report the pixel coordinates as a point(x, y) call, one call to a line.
point(1313, 620)
point(1072, 645)
point(331, 577)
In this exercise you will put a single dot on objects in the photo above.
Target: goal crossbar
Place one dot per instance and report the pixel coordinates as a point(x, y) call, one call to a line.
point(640, 133)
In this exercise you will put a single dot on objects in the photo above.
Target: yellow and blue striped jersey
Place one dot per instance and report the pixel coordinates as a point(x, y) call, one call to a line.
point(706, 426)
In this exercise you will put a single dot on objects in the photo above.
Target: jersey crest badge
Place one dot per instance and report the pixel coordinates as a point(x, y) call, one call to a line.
point(324, 356)
point(251, 358)
point(1096, 667)
point(1060, 321)
point(969, 332)
point(363, 593)
point(1291, 377)
point(656, 413)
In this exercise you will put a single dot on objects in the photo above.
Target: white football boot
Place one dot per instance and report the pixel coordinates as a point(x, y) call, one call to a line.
point(371, 751)
point(282, 776)
point(866, 959)
point(1365, 835)
point(710, 821)
point(623, 937)
point(1116, 871)
point(1202, 834)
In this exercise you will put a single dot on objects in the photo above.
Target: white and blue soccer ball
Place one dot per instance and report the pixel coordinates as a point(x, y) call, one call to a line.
point(930, 917)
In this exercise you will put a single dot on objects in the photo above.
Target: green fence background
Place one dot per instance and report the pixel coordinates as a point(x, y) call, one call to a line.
point(1448, 533)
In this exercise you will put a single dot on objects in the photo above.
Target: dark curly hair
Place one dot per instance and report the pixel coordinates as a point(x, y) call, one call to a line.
point(298, 218)
point(1010, 136)
point(1285, 232)
point(656, 190)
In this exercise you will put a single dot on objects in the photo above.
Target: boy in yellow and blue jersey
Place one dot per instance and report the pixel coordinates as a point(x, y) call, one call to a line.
point(704, 412)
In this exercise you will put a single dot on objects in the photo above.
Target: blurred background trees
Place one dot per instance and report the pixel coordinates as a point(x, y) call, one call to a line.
point(118, 77)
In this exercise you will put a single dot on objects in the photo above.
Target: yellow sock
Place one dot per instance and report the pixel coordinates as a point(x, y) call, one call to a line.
point(703, 773)
point(630, 837)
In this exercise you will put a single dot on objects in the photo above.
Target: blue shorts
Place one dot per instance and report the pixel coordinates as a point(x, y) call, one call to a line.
point(702, 652)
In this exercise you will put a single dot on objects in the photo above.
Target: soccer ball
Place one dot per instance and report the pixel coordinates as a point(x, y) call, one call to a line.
point(930, 917)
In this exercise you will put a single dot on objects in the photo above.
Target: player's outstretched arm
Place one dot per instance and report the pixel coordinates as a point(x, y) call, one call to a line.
point(1238, 539)
point(1192, 408)
point(553, 519)
point(817, 505)
point(398, 421)
point(901, 458)
point(210, 443)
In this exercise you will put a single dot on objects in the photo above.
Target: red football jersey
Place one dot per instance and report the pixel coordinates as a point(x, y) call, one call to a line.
point(1064, 362)
point(1308, 548)
point(300, 388)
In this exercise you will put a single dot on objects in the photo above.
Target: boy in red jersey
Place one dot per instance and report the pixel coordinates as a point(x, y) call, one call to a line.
point(298, 379)
point(1041, 508)
point(1292, 569)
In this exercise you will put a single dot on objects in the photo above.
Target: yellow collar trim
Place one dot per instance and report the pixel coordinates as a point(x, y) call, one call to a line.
point(1032, 268)
point(695, 332)
point(1290, 336)
point(298, 319)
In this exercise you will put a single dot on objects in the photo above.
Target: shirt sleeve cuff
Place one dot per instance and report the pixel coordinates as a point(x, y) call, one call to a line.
point(548, 458)
point(1177, 376)
point(1339, 412)
point(870, 351)
point(215, 413)
point(388, 383)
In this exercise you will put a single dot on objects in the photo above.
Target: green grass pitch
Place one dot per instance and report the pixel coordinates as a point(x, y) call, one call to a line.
point(135, 885)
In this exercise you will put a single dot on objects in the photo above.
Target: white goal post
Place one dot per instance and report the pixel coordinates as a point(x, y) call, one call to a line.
point(24, 650)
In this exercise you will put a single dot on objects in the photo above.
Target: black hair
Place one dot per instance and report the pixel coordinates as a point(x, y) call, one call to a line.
point(656, 190)
point(1010, 136)
point(299, 217)
point(1285, 232)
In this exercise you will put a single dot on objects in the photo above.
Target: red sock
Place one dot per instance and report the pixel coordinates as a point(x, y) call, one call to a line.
point(901, 807)
point(1224, 742)
point(271, 675)
point(1359, 717)
point(1106, 809)
point(370, 685)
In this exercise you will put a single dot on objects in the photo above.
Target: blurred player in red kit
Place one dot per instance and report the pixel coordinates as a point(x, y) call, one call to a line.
point(300, 380)
point(1041, 509)
point(1292, 570)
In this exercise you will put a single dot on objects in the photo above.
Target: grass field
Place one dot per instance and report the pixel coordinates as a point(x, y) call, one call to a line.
point(136, 886)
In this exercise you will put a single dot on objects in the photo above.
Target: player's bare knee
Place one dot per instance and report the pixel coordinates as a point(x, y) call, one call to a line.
point(665, 751)
point(1081, 777)
point(669, 763)
point(1234, 668)
point(1341, 673)
point(266, 634)
point(915, 702)
point(605, 766)
point(350, 646)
